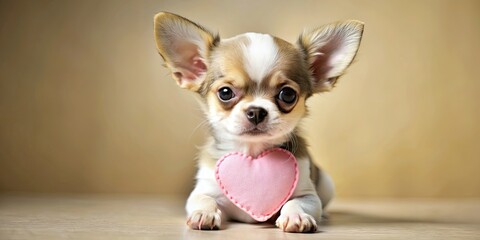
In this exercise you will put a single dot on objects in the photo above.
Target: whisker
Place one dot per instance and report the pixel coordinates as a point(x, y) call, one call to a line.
point(291, 140)
point(294, 140)
point(201, 124)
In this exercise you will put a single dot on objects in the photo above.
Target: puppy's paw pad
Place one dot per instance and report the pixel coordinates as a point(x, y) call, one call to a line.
point(297, 223)
point(204, 220)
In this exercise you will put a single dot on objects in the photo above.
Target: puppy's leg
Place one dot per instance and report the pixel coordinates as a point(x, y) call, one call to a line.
point(325, 188)
point(202, 209)
point(300, 214)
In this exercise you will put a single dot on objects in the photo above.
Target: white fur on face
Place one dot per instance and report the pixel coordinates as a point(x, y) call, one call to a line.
point(260, 55)
point(237, 121)
point(230, 128)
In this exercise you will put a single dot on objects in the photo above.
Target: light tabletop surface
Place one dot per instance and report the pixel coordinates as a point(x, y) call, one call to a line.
point(30, 216)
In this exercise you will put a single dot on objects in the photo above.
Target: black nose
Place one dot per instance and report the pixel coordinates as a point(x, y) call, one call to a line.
point(256, 114)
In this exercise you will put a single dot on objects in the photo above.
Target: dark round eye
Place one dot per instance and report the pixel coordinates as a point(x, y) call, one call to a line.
point(287, 95)
point(225, 94)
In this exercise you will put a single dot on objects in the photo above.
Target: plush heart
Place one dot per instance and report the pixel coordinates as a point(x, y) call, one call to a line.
point(259, 186)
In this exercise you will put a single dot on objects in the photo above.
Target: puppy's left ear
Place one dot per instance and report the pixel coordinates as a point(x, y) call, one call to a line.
point(185, 47)
point(329, 50)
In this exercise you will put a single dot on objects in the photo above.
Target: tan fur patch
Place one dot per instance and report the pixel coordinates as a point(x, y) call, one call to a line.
point(300, 109)
point(293, 67)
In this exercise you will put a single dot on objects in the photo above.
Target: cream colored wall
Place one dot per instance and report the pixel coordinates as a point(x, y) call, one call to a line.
point(85, 105)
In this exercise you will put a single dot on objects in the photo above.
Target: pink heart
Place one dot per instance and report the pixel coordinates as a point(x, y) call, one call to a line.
point(259, 186)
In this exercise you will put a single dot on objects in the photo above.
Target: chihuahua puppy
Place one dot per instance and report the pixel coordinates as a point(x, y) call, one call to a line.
point(253, 89)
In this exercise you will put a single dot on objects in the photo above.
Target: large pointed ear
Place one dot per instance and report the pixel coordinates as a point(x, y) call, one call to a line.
point(185, 46)
point(329, 50)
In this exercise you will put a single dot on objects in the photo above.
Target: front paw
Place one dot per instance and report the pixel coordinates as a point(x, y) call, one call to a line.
point(204, 220)
point(297, 223)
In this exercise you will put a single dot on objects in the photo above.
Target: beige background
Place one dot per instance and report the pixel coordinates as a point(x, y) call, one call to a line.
point(85, 105)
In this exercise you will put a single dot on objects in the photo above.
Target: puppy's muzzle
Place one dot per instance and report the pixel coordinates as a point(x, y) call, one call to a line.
point(256, 115)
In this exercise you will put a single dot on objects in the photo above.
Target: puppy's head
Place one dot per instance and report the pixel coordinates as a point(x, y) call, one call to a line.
point(255, 85)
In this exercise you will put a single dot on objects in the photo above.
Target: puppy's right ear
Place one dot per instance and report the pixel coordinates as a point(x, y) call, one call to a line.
point(185, 47)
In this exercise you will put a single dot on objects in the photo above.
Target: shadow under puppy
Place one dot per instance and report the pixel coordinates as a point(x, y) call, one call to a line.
point(253, 89)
